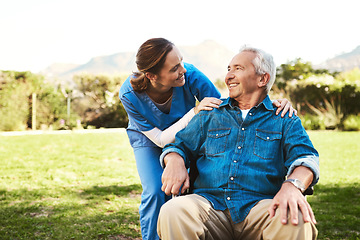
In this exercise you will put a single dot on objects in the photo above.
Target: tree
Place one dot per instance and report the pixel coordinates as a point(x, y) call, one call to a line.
point(16, 89)
point(98, 104)
point(295, 70)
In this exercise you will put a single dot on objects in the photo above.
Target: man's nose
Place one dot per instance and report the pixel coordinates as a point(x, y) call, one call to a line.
point(229, 75)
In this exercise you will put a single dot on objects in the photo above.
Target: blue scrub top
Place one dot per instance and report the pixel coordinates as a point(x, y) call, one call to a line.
point(144, 115)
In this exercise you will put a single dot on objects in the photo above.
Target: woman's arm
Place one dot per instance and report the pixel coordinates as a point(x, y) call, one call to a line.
point(161, 138)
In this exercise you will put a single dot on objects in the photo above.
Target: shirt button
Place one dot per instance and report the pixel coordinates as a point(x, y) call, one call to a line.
point(267, 138)
point(239, 147)
point(250, 114)
point(243, 129)
point(217, 134)
point(235, 161)
point(232, 178)
point(228, 198)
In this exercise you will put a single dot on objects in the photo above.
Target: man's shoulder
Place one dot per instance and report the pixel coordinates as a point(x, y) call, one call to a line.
point(216, 114)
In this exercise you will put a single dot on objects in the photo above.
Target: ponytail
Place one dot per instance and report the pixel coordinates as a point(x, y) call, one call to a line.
point(139, 81)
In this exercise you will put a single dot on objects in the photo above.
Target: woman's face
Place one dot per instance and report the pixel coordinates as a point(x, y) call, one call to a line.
point(172, 73)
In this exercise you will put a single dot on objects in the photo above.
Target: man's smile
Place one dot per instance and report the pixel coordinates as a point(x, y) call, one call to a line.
point(232, 85)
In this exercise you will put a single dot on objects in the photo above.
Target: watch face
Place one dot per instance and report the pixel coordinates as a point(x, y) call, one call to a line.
point(299, 185)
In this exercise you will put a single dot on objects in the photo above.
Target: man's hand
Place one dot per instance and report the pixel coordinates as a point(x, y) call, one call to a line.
point(175, 175)
point(289, 197)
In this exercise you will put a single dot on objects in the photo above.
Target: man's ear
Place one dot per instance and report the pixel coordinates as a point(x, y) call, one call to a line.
point(151, 76)
point(265, 78)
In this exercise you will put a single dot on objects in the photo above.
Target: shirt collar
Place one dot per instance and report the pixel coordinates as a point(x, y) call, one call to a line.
point(266, 102)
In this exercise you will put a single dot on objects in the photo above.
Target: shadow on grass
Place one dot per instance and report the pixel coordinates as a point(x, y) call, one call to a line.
point(129, 190)
point(337, 211)
point(98, 212)
point(111, 212)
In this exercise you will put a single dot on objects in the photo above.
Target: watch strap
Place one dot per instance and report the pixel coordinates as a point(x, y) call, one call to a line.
point(297, 183)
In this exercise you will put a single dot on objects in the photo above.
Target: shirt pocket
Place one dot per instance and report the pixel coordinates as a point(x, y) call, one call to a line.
point(216, 141)
point(267, 144)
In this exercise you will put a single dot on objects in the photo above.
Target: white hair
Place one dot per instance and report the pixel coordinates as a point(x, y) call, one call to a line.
point(263, 63)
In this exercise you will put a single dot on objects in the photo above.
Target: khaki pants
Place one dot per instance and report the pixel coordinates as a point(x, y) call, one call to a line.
point(193, 217)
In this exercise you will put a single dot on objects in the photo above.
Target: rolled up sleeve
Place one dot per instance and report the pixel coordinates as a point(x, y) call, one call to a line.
point(171, 150)
point(309, 161)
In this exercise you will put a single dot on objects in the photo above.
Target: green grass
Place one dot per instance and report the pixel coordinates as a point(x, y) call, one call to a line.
point(68, 186)
point(85, 186)
point(336, 201)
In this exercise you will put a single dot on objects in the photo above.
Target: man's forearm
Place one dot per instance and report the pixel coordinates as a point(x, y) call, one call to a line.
point(304, 174)
point(311, 162)
point(172, 156)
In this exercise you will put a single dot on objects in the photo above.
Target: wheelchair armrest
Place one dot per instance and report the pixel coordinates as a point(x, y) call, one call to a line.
point(309, 191)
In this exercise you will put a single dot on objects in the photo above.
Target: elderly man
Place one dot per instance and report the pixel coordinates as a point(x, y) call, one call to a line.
point(253, 165)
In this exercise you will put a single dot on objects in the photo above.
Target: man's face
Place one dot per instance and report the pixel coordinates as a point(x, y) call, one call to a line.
point(241, 78)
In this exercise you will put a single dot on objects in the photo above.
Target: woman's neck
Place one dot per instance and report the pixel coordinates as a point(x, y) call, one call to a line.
point(159, 95)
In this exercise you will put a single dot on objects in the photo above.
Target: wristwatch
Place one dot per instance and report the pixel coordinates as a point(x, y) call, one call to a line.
point(297, 183)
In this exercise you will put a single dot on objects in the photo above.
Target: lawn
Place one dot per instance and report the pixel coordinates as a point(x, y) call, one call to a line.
point(336, 201)
point(85, 186)
point(68, 186)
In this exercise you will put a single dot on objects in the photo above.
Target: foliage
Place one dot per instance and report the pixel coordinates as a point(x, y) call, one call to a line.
point(332, 96)
point(330, 114)
point(51, 107)
point(295, 70)
point(350, 76)
point(317, 89)
point(98, 103)
point(16, 89)
point(95, 101)
point(14, 102)
point(312, 122)
point(220, 84)
point(352, 123)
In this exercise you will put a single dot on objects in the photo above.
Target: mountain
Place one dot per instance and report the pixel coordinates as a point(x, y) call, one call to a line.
point(343, 62)
point(209, 57)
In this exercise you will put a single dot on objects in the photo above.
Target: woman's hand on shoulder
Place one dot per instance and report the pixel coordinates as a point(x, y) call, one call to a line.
point(285, 105)
point(208, 103)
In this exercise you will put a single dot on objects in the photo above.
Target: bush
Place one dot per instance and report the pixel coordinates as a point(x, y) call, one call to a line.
point(14, 103)
point(331, 114)
point(331, 98)
point(312, 122)
point(98, 103)
point(352, 123)
point(317, 89)
point(16, 89)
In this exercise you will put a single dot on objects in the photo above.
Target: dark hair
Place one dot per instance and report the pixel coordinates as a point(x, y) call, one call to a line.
point(150, 57)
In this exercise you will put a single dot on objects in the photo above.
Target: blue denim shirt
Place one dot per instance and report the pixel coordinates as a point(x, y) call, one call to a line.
point(241, 162)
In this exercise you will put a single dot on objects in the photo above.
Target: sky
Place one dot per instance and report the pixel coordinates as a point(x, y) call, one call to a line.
point(37, 33)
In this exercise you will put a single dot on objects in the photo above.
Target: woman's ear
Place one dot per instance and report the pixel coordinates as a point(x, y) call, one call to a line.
point(265, 78)
point(151, 76)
